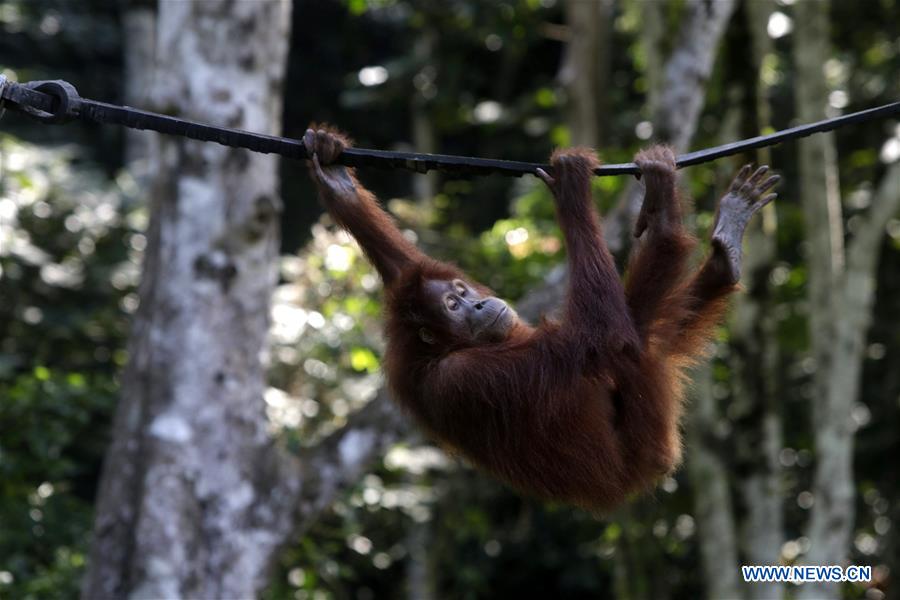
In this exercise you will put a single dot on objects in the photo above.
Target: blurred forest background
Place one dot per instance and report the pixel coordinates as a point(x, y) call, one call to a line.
point(244, 464)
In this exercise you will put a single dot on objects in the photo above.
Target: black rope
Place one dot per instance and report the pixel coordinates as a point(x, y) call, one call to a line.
point(58, 102)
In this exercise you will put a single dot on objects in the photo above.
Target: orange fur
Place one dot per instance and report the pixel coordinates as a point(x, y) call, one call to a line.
point(586, 410)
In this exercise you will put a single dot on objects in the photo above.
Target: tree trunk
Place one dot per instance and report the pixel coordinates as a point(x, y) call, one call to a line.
point(184, 508)
point(755, 357)
point(584, 66)
point(139, 52)
point(425, 185)
point(832, 516)
point(653, 31)
point(841, 299)
point(712, 497)
point(708, 466)
point(420, 580)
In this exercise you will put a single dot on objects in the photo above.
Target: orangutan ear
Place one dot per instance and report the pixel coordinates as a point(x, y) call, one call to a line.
point(426, 336)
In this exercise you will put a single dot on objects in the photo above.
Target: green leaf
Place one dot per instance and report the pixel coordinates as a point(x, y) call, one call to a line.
point(363, 359)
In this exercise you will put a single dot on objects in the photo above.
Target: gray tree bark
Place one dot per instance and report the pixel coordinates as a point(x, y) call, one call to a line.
point(755, 361)
point(831, 520)
point(841, 292)
point(184, 508)
point(713, 508)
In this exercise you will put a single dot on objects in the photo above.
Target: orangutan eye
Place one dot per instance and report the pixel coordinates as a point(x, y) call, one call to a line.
point(451, 303)
point(461, 288)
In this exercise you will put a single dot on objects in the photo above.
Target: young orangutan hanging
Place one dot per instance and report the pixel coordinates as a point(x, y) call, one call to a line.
point(584, 410)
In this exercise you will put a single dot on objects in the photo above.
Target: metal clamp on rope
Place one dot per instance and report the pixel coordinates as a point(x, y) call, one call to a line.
point(417, 165)
point(66, 101)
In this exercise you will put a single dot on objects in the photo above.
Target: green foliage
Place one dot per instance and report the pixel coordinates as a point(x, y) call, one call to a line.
point(326, 337)
point(68, 262)
point(483, 76)
point(48, 460)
